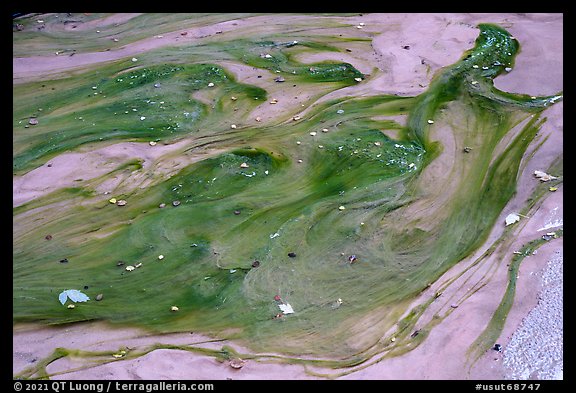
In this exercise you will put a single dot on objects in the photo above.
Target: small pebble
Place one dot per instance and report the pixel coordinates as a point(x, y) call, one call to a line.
point(99, 297)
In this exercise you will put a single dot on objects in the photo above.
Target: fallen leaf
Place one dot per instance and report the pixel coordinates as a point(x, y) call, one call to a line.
point(286, 308)
point(512, 218)
point(74, 295)
point(543, 176)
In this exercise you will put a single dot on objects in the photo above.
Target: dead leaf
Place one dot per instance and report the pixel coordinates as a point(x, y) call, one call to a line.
point(512, 218)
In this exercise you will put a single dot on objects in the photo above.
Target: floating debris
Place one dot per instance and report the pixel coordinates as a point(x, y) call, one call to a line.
point(237, 363)
point(162, 205)
point(233, 126)
point(99, 297)
point(342, 208)
point(278, 298)
point(134, 59)
point(112, 201)
point(160, 257)
point(274, 101)
point(430, 121)
point(138, 265)
point(258, 118)
point(244, 165)
point(174, 308)
point(157, 85)
point(64, 260)
point(497, 347)
point(74, 295)
point(119, 355)
point(512, 218)
point(274, 235)
point(352, 259)
point(210, 84)
point(175, 203)
point(237, 212)
point(467, 149)
point(325, 130)
point(279, 79)
point(121, 202)
point(130, 268)
point(48, 237)
point(358, 79)
point(553, 189)
point(296, 118)
point(543, 176)
point(71, 306)
point(255, 264)
point(152, 143)
point(337, 304)
point(286, 308)
point(33, 121)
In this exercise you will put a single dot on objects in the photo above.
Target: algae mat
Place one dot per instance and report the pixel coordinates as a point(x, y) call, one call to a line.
point(278, 204)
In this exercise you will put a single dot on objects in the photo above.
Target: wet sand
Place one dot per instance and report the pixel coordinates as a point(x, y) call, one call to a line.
point(434, 40)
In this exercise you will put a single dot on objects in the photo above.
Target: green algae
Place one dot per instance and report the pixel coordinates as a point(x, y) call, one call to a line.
point(268, 196)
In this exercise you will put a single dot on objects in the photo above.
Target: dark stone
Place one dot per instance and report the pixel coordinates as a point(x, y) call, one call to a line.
point(64, 260)
point(292, 255)
point(255, 263)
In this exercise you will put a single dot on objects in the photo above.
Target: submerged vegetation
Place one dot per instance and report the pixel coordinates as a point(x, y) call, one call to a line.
point(336, 210)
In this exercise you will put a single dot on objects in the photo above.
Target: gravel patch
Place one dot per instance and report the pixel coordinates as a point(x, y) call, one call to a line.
point(536, 348)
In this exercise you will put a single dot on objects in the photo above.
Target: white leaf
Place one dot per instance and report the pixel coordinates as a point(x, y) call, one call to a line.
point(286, 308)
point(63, 297)
point(512, 218)
point(74, 295)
